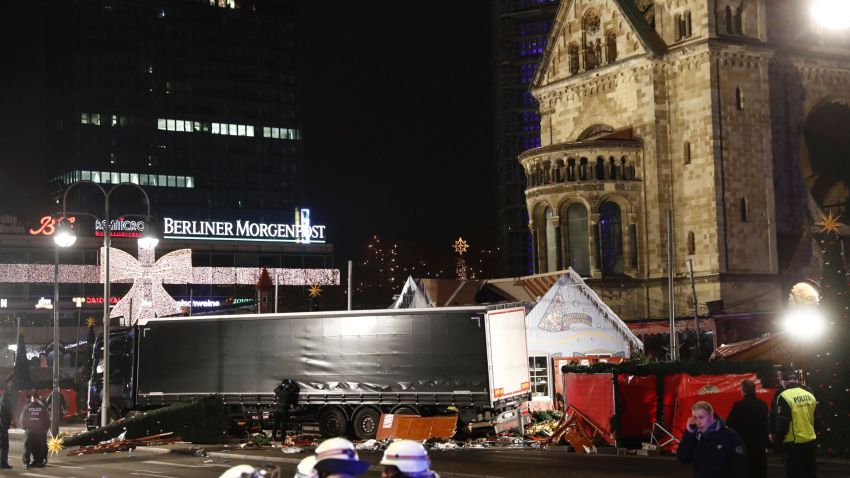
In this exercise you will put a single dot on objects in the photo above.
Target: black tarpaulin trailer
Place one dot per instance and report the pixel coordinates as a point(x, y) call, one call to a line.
point(350, 366)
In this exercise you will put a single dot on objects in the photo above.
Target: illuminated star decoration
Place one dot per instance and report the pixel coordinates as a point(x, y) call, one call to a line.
point(90, 322)
point(460, 246)
point(315, 291)
point(55, 445)
point(830, 223)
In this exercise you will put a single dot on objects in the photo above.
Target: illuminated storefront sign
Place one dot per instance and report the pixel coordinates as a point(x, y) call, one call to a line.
point(242, 301)
point(47, 225)
point(302, 232)
point(93, 300)
point(44, 303)
point(120, 228)
point(199, 303)
point(4, 303)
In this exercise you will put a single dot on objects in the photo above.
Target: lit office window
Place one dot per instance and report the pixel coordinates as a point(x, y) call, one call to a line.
point(161, 123)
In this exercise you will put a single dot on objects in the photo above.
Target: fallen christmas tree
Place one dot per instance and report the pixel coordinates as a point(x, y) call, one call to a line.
point(199, 421)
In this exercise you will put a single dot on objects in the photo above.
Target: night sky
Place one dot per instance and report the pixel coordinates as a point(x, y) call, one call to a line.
point(397, 108)
point(398, 122)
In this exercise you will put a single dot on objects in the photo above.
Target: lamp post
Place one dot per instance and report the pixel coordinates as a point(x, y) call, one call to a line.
point(148, 240)
point(62, 239)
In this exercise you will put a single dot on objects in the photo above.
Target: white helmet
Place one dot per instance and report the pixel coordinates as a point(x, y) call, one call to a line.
point(408, 456)
point(337, 455)
point(305, 468)
point(239, 471)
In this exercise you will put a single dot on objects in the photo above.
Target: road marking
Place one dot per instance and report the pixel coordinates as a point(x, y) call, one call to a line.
point(165, 463)
point(41, 476)
point(151, 474)
point(66, 466)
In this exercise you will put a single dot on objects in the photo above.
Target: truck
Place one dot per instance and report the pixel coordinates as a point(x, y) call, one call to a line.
point(350, 366)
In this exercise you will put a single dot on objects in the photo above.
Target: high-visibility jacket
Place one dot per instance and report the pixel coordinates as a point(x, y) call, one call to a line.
point(802, 405)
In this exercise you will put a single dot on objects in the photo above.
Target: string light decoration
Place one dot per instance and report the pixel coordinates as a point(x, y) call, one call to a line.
point(147, 298)
point(461, 246)
point(829, 373)
point(91, 322)
point(314, 291)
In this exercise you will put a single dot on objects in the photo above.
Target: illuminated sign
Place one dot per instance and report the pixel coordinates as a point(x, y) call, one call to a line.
point(4, 303)
point(120, 228)
point(44, 303)
point(242, 301)
point(9, 225)
point(48, 225)
point(303, 232)
point(199, 303)
point(93, 300)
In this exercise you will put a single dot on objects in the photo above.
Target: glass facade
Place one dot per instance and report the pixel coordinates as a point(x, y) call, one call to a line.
point(520, 29)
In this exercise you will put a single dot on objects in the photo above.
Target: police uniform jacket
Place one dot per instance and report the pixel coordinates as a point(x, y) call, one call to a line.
point(34, 417)
point(796, 420)
point(717, 453)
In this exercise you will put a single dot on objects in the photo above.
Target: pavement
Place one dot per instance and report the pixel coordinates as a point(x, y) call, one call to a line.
point(491, 462)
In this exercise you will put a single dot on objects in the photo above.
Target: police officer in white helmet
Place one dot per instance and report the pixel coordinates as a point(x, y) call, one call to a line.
point(306, 468)
point(406, 459)
point(337, 458)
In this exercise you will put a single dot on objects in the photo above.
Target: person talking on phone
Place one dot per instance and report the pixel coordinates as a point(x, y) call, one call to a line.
point(714, 450)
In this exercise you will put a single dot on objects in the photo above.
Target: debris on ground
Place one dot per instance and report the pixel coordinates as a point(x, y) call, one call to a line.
point(122, 444)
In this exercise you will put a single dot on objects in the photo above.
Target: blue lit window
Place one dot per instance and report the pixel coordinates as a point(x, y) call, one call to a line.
point(531, 47)
point(526, 72)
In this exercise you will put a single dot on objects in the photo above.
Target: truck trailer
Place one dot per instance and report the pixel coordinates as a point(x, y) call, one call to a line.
point(350, 366)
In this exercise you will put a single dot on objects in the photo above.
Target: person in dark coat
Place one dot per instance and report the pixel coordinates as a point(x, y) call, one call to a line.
point(286, 397)
point(35, 421)
point(749, 420)
point(714, 449)
point(5, 423)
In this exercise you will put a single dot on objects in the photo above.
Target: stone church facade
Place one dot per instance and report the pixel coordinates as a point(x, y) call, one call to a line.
point(727, 113)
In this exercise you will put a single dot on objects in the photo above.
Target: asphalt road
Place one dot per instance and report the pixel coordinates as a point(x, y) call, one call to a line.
point(468, 463)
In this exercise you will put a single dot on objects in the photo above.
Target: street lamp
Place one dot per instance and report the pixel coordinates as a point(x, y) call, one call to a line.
point(804, 323)
point(831, 14)
point(148, 240)
point(64, 237)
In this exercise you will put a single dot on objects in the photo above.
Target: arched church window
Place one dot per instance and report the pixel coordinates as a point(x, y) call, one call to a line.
point(729, 20)
point(612, 168)
point(686, 152)
point(571, 169)
point(624, 170)
point(577, 235)
point(582, 169)
point(738, 20)
point(692, 246)
point(600, 168)
point(551, 243)
point(572, 52)
point(611, 46)
point(745, 210)
point(610, 238)
point(592, 43)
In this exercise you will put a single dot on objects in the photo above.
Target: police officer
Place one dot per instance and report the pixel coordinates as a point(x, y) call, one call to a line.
point(795, 427)
point(35, 421)
point(5, 423)
point(714, 449)
point(406, 459)
point(286, 396)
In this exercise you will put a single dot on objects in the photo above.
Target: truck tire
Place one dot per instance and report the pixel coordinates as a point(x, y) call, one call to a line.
point(366, 422)
point(332, 423)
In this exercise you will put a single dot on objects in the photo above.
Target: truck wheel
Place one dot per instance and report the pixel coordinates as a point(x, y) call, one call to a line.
point(366, 423)
point(333, 423)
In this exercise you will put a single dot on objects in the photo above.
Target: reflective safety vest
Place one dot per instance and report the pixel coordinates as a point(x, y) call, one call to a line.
point(802, 405)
